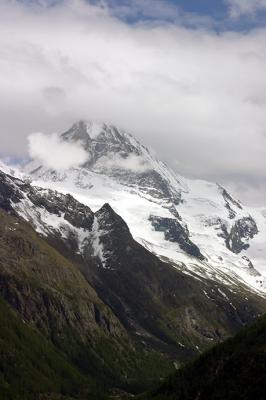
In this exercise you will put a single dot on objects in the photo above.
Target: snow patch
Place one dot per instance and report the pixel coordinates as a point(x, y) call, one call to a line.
point(46, 223)
point(97, 246)
point(223, 294)
point(93, 128)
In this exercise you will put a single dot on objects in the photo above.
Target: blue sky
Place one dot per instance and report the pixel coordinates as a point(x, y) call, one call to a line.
point(213, 8)
point(220, 15)
point(209, 7)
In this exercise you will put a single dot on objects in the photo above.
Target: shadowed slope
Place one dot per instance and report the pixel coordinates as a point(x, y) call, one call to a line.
point(234, 370)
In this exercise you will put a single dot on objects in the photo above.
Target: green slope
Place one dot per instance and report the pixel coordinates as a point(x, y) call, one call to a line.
point(30, 365)
point(234, 370)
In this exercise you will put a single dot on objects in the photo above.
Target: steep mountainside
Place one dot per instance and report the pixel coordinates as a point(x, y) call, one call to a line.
point(161, 315)
point(196, 226)
point(234, 370)
point(31, 365)
point(50, 294)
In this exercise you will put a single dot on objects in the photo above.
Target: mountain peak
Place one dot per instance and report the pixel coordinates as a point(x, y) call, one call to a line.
point(106, 142)
point(83, 130)
point(92, 133)
point(106, 208)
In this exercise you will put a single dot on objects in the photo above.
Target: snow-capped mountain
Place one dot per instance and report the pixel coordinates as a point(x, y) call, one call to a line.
point(195, 225)
point(161, 308)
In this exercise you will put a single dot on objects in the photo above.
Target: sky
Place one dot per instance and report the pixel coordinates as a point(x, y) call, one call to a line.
point(186, 78)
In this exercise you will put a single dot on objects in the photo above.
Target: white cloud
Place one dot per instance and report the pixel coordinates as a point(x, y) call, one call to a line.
point(132, 163)
point(237, 8)
point(54, 153)
point(196, 96)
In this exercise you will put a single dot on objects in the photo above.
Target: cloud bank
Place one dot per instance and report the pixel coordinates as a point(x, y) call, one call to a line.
point(53, 153)
point(196, 96)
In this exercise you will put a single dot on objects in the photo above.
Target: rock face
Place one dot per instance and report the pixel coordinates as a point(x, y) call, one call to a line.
point(230, 203)
point(9, 192)
point(175, 232)
point(241, 232)
point(74, 212)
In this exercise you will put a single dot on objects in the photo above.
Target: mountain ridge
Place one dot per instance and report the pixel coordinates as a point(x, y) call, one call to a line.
point(102, 246)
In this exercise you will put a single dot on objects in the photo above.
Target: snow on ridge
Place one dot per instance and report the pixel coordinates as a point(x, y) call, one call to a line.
point(97, 246)
point(4, 168)
point(93, 128)
point(46, 222)
point(94, 189)
point(11, 170)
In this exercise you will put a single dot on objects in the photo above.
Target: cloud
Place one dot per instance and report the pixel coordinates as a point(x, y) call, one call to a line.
point(132, 163)
point(238, 8)
point(54, 153)
point(196, 96)
point(54, 93)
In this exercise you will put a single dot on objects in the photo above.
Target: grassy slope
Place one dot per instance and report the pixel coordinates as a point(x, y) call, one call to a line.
point(29, 363)
point(234, 370)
